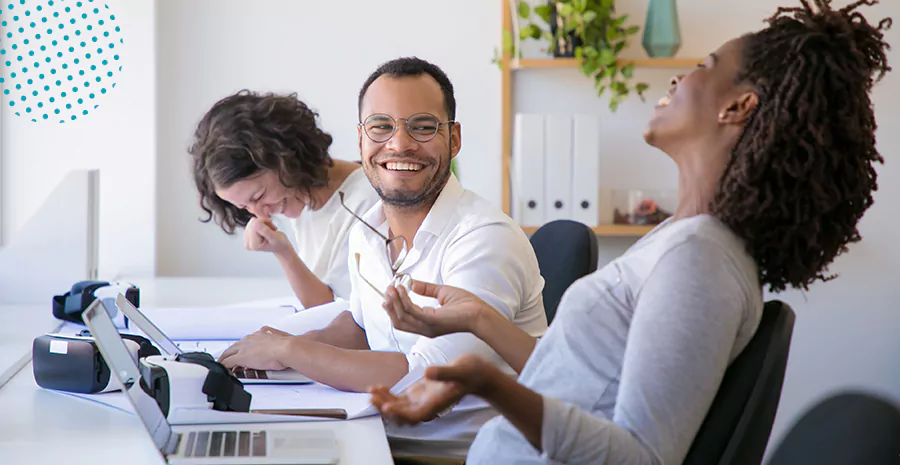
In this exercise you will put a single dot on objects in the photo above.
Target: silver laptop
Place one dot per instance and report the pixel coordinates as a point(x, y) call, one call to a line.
point(222, 444)
point(246, 375)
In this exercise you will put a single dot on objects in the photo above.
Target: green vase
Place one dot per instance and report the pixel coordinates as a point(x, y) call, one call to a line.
point(662, 35)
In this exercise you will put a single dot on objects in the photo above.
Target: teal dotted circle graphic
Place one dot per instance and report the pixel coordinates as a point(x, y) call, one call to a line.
point(57, 57)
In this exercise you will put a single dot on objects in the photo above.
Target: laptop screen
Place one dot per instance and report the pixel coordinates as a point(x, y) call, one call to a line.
point(144, 324)
point(126, 371)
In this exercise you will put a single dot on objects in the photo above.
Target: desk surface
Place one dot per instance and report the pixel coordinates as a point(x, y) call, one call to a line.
point(39, 426)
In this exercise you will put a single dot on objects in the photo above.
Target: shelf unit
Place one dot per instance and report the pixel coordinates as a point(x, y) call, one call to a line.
point(510, 66)
point(526, 63)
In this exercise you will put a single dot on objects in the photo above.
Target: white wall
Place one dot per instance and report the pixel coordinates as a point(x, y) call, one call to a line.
point(846, 329)
point(323, 51)
point(117, 138)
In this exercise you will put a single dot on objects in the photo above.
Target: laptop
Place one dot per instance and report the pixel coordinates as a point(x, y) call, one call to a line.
point(221, 444)
point(246, 375)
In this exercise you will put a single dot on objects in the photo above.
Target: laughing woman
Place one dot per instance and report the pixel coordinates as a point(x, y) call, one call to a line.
point(256, 156)
point(774, 139)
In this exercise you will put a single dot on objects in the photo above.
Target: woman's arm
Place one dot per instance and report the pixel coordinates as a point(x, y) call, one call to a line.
point(459, 312)
point(309, 289)
point(261, 234)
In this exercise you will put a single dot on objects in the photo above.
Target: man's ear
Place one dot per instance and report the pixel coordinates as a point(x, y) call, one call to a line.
point(739, 110)
point(359, 139)
point(455, 139)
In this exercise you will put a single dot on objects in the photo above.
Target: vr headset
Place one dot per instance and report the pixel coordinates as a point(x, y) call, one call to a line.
point(72, 304)
point(72, 363)
point(192, 380)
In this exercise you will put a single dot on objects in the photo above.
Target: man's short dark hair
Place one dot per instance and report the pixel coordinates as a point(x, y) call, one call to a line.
point(412, 66)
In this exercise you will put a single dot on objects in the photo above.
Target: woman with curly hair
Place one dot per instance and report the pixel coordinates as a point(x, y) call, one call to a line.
point(774, 139)
point(256, 156)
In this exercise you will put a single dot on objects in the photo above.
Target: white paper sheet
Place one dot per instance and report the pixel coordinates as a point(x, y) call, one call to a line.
point(214, 323)
point(320, 396)
point(312, 318)
point(191, 416)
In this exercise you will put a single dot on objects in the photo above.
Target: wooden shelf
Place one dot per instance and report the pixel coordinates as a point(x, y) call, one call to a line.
point(622, 230)
point(638, 62)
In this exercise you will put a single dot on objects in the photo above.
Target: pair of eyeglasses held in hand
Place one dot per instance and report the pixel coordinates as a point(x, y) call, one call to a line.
point(392, 244)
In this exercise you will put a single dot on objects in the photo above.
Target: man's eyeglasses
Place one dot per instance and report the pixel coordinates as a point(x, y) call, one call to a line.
point(397, 279)
point(422, 127)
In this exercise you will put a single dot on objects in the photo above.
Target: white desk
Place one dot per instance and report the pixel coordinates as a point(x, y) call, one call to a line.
point(39, 427)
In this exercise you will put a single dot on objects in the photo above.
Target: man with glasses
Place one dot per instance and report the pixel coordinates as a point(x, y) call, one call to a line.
point(426, 227)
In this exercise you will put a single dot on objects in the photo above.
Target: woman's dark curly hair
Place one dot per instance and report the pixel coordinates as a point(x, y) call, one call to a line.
point(802, 173)
point(246, 133)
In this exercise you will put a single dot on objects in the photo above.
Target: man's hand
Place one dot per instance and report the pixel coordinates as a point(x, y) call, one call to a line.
point(258, 351)
point(458, 312)
point(440, 389)
point(261, 234)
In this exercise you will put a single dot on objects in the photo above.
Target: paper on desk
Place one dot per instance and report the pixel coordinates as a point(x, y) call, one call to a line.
point(312, 318)
point(319, 396)
point(191, 416)
point(290, 300)
point(301, 322)
point(214, 323)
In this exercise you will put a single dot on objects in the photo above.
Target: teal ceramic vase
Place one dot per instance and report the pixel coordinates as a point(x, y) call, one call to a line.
point(662, 35)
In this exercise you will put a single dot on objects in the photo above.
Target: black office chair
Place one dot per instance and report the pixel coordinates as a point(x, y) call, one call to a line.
point(737, 426)
point(566, 250)
point(846, 428)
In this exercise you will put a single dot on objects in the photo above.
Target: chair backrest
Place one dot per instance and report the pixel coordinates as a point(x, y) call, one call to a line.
point(849, 427)
point(737, 426)
point(566, 251)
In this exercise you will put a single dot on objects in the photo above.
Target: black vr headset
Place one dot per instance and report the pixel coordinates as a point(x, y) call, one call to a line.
point(73, 363)
point(72, 304)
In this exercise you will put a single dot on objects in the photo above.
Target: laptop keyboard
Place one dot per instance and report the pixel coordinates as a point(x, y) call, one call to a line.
point(249, 373)
point(225, 444)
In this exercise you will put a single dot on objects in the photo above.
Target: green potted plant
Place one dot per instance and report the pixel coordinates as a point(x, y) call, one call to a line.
point(590, 31)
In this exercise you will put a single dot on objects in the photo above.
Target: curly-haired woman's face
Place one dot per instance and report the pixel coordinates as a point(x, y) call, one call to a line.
point(263, 195)
point(695, 109)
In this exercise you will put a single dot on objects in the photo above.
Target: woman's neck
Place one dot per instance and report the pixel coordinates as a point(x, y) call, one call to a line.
point(337, 174)
point(699, 173)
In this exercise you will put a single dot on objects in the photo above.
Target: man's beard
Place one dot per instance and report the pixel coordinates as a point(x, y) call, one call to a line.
point(424, 198)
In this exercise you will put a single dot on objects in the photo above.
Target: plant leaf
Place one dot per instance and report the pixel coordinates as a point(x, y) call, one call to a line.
point(589, 17)
point(641, 87)
point(543, 11)
point(566, 10)
point(579, 5)
point(607, 57)
point(618, 47)
point(589, 66)
point(628, 70)
point(524, 9)
point(600, 90)
point(531, 31)
point(507, 41)
point(632, 30)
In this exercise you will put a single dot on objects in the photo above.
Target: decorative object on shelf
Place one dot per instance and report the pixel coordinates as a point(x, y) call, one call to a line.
point(602, 36)
point(662, 34)
point(642, 207)
point(563, 44)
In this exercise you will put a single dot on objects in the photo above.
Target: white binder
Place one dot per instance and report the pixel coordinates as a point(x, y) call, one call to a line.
point(528, 205)
point(558, 167)
point(586, 169)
